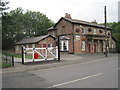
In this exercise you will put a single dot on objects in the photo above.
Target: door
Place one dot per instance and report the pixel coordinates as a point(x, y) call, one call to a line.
point(94, 47)
point(88, 47)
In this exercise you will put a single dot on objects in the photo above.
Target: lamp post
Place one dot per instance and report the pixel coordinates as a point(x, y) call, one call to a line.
point(105, 33)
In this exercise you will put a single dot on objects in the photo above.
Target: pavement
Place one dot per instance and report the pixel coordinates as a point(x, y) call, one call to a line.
point(66, 59)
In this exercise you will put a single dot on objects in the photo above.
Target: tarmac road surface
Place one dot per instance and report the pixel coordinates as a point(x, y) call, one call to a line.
point(99, 73)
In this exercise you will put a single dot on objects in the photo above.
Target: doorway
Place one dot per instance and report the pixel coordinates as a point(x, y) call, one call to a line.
point(95, 48)
point(89, 45)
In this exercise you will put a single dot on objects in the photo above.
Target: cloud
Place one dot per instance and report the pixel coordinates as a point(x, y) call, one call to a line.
point(80, 9)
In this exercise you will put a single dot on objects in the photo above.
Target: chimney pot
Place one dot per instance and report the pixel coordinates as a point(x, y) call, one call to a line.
point(67, 15)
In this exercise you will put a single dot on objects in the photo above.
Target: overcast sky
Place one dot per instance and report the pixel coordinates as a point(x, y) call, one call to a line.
point(87, 10)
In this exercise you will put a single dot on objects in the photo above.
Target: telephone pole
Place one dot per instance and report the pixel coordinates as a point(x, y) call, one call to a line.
point(106, 52)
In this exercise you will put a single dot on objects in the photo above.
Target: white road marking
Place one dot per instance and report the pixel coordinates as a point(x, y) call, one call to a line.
point(75, 80)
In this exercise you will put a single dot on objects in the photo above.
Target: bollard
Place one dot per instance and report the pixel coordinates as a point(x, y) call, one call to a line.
point(22, 55)
point(6, 58)
point(12, 60)
point(58, 48)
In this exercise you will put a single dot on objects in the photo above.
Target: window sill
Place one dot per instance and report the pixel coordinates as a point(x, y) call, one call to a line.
point(63, 51)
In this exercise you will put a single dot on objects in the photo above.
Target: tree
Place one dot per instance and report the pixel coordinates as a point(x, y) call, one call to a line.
point(3, 6)
point(115, 32)
point(19, 24)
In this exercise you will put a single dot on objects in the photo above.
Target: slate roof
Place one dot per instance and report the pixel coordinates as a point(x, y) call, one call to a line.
point(32, 39)
point(52, 28)
point(75, 21)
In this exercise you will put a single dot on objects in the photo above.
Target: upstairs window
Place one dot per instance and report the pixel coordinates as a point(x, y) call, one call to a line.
point(100, 31)
point(77, 30)
point(95, 31)
point(83, 30)
point(63, 30)
point(109, 34)
point(89, 29)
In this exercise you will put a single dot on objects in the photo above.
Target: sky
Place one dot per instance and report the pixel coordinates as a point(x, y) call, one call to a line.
point(87, 10)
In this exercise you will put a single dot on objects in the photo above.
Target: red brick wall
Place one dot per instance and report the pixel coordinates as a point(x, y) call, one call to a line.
point(68, 32)
point(47, 41)
point(51, 33)
point(68, 27)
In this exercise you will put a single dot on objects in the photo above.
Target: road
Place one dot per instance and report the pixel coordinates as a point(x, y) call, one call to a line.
point(99, 73)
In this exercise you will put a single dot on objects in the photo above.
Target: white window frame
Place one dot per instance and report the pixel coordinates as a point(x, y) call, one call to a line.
point(95, 31)
point(50, 45)
point(83, 45)
point(27, 46)
point(33, 45)
point(62, 45)
point(53, 34)
point(77, 36)
point(83, 29)
point(17, 47)
point(112, 45)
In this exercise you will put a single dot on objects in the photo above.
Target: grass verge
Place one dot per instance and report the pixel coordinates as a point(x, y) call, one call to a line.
point(5, 65)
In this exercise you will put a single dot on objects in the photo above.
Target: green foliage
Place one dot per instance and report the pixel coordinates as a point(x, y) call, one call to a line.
point(3, 6)
point(5, 65)
point(19, 24)
point(115, 32)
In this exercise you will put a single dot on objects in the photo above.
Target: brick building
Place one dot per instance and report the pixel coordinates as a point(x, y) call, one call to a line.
point(77, 36)
point(35, 42)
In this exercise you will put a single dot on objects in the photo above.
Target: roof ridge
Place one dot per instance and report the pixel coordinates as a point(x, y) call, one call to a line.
point(80, 20)
point(33, 39)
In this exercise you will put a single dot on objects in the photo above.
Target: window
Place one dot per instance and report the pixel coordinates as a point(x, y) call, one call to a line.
point(77, 30)
point(53, 34)
point(83, 45)
point(17, 47)
point(100, 31)
point(49, 45)
point(112, 46)
point(60, 44)
point(27, 46)
point(33, 45)
point(63, 30)
point(109, 34)
point(95, 31)
point(83, 30)
point(89, 29)
point(77, 37)
point(64, 45)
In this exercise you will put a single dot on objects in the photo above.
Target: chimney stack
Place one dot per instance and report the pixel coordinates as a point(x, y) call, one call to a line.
point(95, 22)
point(67, 15)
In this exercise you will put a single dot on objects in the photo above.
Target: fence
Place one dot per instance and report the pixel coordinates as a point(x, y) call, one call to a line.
point(114, 50)
point(8, 59)
point(39, 54)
